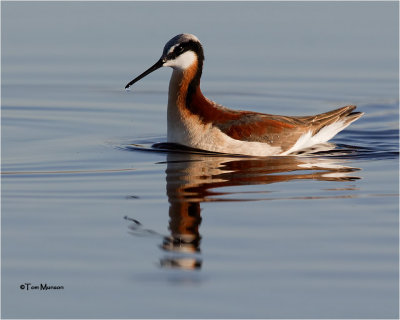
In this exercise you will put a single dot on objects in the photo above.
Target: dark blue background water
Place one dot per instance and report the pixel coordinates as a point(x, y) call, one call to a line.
point(204, 236)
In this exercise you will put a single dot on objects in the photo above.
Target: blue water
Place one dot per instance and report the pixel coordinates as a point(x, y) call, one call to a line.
point(132, 230)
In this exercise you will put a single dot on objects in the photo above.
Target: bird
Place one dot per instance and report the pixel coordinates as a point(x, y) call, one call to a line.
point(197, 122)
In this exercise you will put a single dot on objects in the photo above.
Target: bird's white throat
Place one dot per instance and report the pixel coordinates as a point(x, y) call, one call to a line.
point(183, 61)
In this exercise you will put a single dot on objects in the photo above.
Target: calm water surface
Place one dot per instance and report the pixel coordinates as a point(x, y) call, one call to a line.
point(134, 231)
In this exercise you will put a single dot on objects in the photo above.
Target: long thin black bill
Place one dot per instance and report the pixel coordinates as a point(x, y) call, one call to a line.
point(156, 66)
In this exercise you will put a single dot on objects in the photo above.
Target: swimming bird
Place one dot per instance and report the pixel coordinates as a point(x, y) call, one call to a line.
point(197, 122)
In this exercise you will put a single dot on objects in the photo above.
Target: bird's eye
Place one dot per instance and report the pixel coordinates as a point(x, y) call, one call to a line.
point(179, 49)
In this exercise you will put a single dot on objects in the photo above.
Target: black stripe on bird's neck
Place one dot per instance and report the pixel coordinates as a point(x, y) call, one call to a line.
point(195, 82)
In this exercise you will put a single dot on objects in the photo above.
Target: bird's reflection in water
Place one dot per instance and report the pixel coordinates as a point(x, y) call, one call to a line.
point(195, 178)
point(184, 240)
